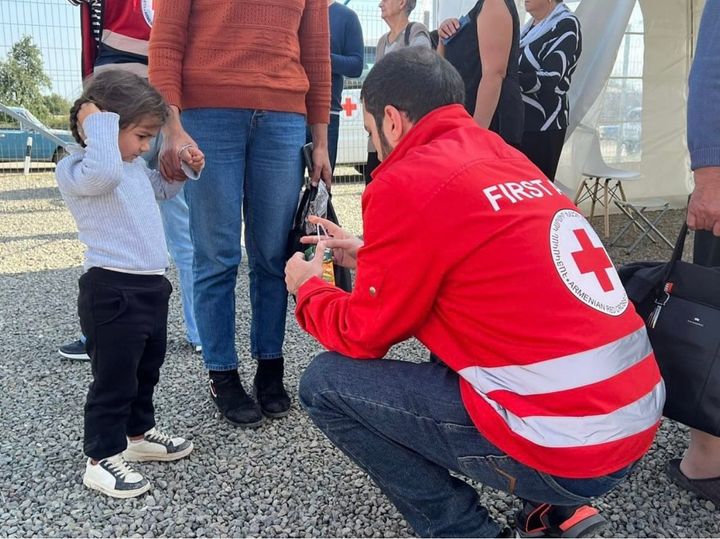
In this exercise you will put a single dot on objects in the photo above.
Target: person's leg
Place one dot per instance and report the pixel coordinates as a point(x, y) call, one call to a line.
point(215, 204)
point(176, 223)
point(333, 133)
point(145, 441)
point(115, 342)
point(405, 425)
point(543, 148)
point(273, 182)
point(152, 301)
point(702, 458)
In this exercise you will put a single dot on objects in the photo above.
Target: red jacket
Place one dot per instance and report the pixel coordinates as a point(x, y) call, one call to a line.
point(471, 250)
point(116, 32)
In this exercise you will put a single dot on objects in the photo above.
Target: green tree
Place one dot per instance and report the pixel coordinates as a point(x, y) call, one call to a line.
point(56, 104)
point(23, 78)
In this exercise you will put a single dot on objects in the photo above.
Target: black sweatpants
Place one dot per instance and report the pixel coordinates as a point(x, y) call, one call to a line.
point(543, 148)
point(124, 318)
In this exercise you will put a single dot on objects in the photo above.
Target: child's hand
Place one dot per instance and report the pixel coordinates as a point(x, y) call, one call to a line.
point(193, 157)
point(86, 109)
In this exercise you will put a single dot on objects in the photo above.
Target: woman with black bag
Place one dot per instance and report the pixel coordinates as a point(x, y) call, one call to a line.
point(699, 469)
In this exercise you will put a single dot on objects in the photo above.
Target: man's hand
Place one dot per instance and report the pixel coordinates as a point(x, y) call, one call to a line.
point(298, 271)
point(704, 205)
point(448, 28)
point(344, 245)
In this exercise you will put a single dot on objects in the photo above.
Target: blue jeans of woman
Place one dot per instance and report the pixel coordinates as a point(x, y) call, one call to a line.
point(405, 425)
point(253, 174)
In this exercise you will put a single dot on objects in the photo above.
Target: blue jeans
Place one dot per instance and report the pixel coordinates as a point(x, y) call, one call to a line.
point(176, 223)
point(253, 173)
point(405, 425)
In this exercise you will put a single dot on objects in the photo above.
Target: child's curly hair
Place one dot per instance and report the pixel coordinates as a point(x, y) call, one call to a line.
point(124, 93)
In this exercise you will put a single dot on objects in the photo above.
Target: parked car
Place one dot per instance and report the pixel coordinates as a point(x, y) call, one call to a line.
point(17, 124)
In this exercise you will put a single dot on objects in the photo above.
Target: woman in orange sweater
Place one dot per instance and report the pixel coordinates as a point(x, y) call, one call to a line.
point(243, 79)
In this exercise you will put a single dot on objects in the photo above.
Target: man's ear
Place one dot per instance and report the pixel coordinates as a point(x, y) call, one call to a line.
point(395, 125)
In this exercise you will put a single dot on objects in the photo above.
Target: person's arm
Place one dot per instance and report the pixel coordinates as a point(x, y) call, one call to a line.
point(704, 124)
point(495, 31)
point(99, 169)
point(350, 62)
point(166, 53)
point(392, 296)
point(554, 59)
point(314, 39)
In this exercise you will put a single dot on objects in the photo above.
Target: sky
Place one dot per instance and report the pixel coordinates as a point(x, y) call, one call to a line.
point(54, 26)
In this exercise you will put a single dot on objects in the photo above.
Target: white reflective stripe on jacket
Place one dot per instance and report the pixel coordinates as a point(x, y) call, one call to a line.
point(573, 372)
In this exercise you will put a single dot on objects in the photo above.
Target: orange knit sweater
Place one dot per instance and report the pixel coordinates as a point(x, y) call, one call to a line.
point(254, 54)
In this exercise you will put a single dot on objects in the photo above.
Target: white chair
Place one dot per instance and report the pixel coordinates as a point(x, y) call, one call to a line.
point(601, 184)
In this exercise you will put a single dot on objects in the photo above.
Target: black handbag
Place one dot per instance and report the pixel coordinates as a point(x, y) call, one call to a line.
point(680, 303)
point(343, 278)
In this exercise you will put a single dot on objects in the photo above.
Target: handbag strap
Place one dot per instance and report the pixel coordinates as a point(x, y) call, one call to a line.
point(677, 251)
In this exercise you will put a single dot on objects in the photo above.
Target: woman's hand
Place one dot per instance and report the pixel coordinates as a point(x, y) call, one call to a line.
point(448, 28)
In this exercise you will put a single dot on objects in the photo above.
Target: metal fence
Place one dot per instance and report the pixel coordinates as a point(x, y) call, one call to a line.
point(39, 76)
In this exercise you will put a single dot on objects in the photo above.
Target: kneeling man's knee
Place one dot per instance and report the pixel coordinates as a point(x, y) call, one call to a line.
point(316, 376)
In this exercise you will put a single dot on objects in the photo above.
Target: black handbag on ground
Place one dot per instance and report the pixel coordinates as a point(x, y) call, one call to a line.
point(680, 303)
point(343, 278)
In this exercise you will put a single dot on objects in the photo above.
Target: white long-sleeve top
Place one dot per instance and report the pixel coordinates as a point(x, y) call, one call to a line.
point(113, 201)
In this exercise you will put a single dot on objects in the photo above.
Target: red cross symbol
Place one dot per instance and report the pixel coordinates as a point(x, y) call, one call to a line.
point(349, 107)
point(591, 259)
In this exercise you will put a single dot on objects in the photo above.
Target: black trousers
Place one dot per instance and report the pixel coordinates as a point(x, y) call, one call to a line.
point(124, 318)
point(543, 148)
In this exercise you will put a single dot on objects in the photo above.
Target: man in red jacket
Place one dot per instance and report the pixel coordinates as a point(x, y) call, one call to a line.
point(543, 382)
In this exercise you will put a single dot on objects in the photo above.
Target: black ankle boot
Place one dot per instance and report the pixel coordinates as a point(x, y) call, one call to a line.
point(269, 390)
point(235, 405)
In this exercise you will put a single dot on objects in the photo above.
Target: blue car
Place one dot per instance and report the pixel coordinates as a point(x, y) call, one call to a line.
point(18, 124)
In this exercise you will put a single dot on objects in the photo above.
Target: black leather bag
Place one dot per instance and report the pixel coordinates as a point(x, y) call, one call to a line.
point(343, 278)
point(680, 303)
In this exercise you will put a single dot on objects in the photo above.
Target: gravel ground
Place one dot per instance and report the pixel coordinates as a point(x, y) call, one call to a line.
point(282, 480)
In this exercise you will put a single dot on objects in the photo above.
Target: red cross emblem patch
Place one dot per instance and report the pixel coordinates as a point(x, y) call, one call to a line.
point(584, 265)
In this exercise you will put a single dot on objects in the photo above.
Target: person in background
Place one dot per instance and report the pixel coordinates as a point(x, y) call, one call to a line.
point(553, 417)
point(699, 469)
point(550, 46)
point(347, 59)
point(243, 81)
point(403, 33)
point(484, 47)
point(115, 35)
point(123, 299)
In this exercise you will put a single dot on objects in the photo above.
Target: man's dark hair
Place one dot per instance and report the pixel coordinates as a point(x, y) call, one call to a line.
point(414, 80)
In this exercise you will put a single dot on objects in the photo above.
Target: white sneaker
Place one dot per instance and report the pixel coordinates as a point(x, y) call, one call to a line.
point(157, 446)
point(112, 476)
